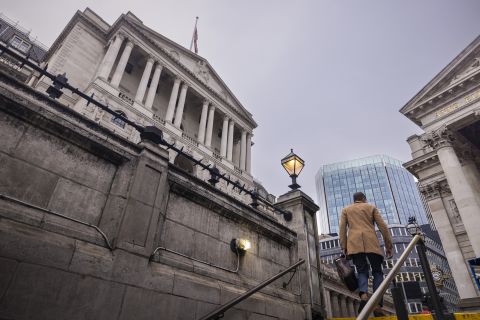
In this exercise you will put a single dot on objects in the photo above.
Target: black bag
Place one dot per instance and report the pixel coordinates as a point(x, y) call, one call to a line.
point(346, 273)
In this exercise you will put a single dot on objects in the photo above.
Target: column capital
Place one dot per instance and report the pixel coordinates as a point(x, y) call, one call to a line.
point(151, 60)
point(184, 85)
point(212, 106)
point(439, 138)
point(177, 79)
point(130, 44)
point(206, 101)
point(226, 118)
point(434, 190)
point(120, 35)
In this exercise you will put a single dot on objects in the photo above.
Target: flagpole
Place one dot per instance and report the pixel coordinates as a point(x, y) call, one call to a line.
point(193, 34)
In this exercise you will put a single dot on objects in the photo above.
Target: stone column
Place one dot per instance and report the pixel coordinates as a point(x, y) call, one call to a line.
point(243, 150)
point(142, 86)
point(180, 106)
point(122, 63)
point(248, 165)
point(343, 306)
point(173, 100)
point(335, 306)
point(461, 275)
point(303, 222)
point(203, 122)
point(462, 191)
point(110, 56)
point(230, 141)
point(208, 134)
point(153, 86)
point(223, 143)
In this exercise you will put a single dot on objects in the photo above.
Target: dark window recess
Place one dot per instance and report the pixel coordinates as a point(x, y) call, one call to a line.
point(129, 68)
point(219, 134)
point(149, 82)
point(119, 121)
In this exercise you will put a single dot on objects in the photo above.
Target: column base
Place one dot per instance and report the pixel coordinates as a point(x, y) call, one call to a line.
point(469, 305)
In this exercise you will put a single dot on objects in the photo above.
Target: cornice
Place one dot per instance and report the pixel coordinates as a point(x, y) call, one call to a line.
point(423, 162)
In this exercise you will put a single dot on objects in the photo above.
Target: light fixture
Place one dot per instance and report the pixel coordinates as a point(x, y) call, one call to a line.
point(293, 164)
point(55, 90)
point(240, 246)
point(214, 176)
point(412, 227)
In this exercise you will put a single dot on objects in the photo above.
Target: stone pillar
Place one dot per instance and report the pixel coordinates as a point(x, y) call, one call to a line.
point(243, 150)
point(335, 306)
point(460, 272)
point(153, 86)
point(208, 134)
point(142, 86)
point(303, 222)
point(223, 143)
point(248, 165)
point(462, 191)
point(110, 56)
point(343, 306)
point(173, 100)
point(180, 106)
point(122, 63)
point(203, 122)
point(230, 141)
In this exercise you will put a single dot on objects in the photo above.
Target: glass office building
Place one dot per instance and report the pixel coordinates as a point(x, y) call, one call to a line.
point(385, 182)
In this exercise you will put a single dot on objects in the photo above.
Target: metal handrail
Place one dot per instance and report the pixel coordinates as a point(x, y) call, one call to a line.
point(218, 313)
point(378, 294)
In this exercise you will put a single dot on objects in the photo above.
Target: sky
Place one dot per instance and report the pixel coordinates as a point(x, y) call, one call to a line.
point(324, 77)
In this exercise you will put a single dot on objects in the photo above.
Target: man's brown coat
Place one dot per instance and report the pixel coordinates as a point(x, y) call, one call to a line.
point(360, 219)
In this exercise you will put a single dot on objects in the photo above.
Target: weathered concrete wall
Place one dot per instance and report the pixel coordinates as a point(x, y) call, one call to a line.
point(63, 176)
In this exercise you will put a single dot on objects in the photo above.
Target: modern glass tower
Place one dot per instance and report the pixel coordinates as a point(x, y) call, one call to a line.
point(385, 182)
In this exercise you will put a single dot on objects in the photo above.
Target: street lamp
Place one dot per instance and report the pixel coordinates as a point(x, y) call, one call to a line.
point(293, 164)
point(414, 229)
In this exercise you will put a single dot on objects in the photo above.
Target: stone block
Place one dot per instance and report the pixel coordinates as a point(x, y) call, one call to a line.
point(112, 215)
point(256, 316)
point(54, 154)
point(7, 271)
point(123, 178)
point(192, 215)
point(26, 182)
point(253, 303)
point(273, 251)
point(281, 309)
point(93, 260)
point(136, 222)
point(145, 184)
point(39, 292)
point(11, 131)
point(129, 268)
point(179, 238)
point(203, 308)
point(146, 304)
point(159, 278)
point(195, 288)
point(77, 201)
point(229, 229)
point(25, 243)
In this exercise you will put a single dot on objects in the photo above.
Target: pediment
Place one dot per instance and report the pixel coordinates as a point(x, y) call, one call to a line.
point(197, 66)
point(463, 67)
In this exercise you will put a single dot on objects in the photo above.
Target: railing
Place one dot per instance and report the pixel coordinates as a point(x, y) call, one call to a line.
point(378, 294)
point(219, 312)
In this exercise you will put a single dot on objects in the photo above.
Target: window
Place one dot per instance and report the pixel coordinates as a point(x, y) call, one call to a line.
point(118, 120)
point(20, 44)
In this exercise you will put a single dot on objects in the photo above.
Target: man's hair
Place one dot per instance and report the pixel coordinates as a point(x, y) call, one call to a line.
point(359, 196)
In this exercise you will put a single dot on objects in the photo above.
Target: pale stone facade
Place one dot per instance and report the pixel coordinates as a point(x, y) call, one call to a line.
point(154, 81)
point(446, 161)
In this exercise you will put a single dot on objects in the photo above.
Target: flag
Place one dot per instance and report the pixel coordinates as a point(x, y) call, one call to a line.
point(194, 42)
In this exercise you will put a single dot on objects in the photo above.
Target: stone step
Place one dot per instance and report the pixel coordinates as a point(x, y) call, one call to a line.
point(458, 316)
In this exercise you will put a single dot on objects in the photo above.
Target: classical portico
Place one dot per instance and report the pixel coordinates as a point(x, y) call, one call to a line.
point(446, 160)
point(152, 80)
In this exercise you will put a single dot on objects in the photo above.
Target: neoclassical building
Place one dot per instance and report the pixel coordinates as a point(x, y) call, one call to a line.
point(153, 81)
point(446, 162)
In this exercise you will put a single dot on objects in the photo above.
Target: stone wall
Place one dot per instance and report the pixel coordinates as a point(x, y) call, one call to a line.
point(93, 226)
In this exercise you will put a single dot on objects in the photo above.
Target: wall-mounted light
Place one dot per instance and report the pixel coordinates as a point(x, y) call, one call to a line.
point(240, 246)
point(214, 176)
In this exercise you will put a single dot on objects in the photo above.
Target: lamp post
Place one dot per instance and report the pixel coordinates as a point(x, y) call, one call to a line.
point(293, 164)
point(414, 229)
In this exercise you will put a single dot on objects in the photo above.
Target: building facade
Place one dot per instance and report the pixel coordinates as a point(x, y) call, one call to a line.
point(445, 159)
point(99, 221)
point(20, 40)
point(411, 270)
point(153, 81)
point(384, 181)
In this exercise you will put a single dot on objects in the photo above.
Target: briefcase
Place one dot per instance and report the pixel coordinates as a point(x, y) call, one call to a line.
point(346, 273)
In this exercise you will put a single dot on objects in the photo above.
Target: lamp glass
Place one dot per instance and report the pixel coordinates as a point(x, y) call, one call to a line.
point(293, 164)
point(243, 244)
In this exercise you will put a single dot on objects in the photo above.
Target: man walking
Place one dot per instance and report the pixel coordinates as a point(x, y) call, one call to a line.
point(362, 246)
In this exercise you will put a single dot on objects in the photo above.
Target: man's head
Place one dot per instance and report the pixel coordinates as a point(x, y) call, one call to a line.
point(359, 197)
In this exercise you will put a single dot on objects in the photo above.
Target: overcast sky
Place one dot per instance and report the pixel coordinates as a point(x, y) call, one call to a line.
point(325, 78)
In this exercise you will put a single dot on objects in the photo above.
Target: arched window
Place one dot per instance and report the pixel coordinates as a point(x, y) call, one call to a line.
point(118, 120)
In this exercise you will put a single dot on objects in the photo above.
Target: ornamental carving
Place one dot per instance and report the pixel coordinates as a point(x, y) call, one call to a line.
point(434, 190)
point(202, 71)
point(442, 137)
